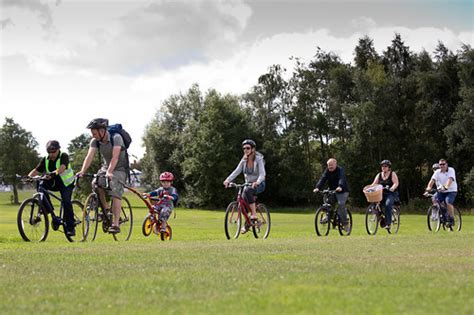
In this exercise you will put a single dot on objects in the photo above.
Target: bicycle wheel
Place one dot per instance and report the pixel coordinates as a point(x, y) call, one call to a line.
point(261, 229)
point(322, 221)
point(33, 224)
point(457, 221)
point(433, 219)
point(340, 227)
point(77, 208)
point(395, 220)
point(147, 226)
point(125, 222)
point(371, 219)
point(90, 217)
point(233, 221)
point(166, 236)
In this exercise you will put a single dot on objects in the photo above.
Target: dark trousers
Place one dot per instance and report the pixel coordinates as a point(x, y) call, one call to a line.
point(66, 196)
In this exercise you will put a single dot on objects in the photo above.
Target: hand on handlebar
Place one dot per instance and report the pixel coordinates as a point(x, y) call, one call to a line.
point(315, 190)
point(226, 183)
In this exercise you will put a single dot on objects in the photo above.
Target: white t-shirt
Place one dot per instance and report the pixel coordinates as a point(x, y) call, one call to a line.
point(441, 179)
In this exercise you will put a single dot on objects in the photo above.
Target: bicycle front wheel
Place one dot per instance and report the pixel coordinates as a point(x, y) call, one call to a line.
point(261, 229)
point(90, 217)
point(433, 219)
point(147, 226)
point(33, 224)
point(125, 222)
point(371, 219)
point(233, 221)
point(322, 221)
point(395, 226)
point(77, 209)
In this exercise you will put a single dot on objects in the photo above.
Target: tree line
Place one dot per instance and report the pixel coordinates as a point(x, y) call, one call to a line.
point(411, 108)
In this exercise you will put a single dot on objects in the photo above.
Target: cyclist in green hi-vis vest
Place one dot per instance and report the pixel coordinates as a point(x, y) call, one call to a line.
point(56, 165)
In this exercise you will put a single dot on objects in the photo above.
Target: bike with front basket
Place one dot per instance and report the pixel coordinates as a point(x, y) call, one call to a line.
point(94, 214)
point(33, 214)
point(437, 215)
point(375, 215)
point(240, 208)
point(327, 216)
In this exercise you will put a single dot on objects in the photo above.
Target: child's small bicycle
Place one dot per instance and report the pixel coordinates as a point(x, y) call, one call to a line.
point(152, 222)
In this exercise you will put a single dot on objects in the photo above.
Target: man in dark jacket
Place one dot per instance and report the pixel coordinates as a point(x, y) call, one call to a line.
point(337, 181)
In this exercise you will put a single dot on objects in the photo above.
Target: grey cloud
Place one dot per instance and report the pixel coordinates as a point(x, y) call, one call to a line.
point(162, 35)
point(43, 10)
point(4, 23)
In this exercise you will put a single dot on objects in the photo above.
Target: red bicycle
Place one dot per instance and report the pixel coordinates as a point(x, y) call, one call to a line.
point(240, 208)
point(152, 222)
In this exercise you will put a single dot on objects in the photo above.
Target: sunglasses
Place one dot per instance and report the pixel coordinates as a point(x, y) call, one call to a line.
point(52, 151)
point(442, 163)
point(247, 148)
point(384, 165)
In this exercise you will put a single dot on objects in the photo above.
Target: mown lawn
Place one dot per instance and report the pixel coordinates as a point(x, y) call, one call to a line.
point(199, 271)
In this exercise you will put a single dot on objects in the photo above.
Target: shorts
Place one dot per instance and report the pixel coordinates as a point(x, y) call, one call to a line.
point(115, 189)
point(447, 197)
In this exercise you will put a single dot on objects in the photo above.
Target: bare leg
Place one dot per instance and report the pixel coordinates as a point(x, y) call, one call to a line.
point(117, 208)
point(253, 207)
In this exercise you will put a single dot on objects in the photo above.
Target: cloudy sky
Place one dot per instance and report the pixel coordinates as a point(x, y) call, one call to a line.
point(64, 62)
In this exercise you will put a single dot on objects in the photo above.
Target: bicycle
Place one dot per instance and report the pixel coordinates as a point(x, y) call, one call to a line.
point(238, 208)
point(152, 222)
point(93, 213)
point(375, 216)
point(33, 220)
point(437, 215)
point(326, 215)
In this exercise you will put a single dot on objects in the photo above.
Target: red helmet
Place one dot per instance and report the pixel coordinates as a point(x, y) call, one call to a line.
point(167, 176)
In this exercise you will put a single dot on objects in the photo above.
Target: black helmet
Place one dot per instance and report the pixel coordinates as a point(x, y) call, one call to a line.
point(386, 162)
point(98, 123)
point(435, 166)
point(52, 146)
point(250, 142)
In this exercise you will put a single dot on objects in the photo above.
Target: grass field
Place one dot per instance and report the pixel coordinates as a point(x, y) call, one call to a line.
point(199, 271)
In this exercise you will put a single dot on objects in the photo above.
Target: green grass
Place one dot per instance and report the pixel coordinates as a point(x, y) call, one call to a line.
point(199, 271)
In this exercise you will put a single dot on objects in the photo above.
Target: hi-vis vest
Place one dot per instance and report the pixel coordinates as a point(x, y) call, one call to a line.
point(67, 176)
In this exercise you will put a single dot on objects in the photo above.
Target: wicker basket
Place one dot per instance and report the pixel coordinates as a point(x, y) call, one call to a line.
point(373, 193)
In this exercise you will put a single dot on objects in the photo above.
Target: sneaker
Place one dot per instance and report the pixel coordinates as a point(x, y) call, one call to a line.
point(114, 229)
point(244, 229)
point(55, 223)
point(387, 227)
point(71, 233)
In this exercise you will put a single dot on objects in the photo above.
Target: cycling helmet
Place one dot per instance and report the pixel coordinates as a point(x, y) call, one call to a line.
point(52, 146)
point(386, 162)
point(250, 142)
point(98, 123)
point(167, 176)
point(435, 166)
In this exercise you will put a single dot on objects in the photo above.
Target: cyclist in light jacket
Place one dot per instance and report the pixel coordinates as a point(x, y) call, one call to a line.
point(252, 165)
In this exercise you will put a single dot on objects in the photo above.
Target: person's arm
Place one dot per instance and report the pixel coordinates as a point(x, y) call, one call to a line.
point(376, 180)
point(87, 161)
point(113, 162)
point(430, 184)
point(395, 182)
point(235, 173)
point(37, 169)
point(321, 181)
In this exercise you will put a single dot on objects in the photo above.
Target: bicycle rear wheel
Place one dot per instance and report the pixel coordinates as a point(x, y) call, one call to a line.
point(33, 224)
point(125, 222)
point(371, 219)
point(90, 217)
point(395, 226)
point(433, 218)
point(340, 227)
point(261, 229)
point(232, 221)
point(77, 208)
point(322, 221)
point(457, 221)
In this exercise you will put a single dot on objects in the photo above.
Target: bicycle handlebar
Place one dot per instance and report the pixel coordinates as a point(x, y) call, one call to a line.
point(239, 185)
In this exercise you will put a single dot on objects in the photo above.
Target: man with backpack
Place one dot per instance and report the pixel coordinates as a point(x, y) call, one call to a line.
point(112, 143)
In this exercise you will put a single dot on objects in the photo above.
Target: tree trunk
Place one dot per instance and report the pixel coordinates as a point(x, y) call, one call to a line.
point(15, 194)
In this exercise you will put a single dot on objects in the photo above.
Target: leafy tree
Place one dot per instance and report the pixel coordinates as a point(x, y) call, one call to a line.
point(18, 153)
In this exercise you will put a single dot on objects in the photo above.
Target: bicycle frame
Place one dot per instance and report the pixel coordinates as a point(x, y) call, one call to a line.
point(243, 207)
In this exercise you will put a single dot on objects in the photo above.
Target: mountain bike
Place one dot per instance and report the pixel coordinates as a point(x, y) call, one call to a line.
point(240, 208)
point(152, 222)
point(437, 215)
point(94, 214)
point(327, 215)
point(33, 219)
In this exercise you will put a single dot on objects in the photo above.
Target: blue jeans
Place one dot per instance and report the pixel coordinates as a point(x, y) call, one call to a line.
point(341, 206)
point(387, 201)
point(249, 192)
